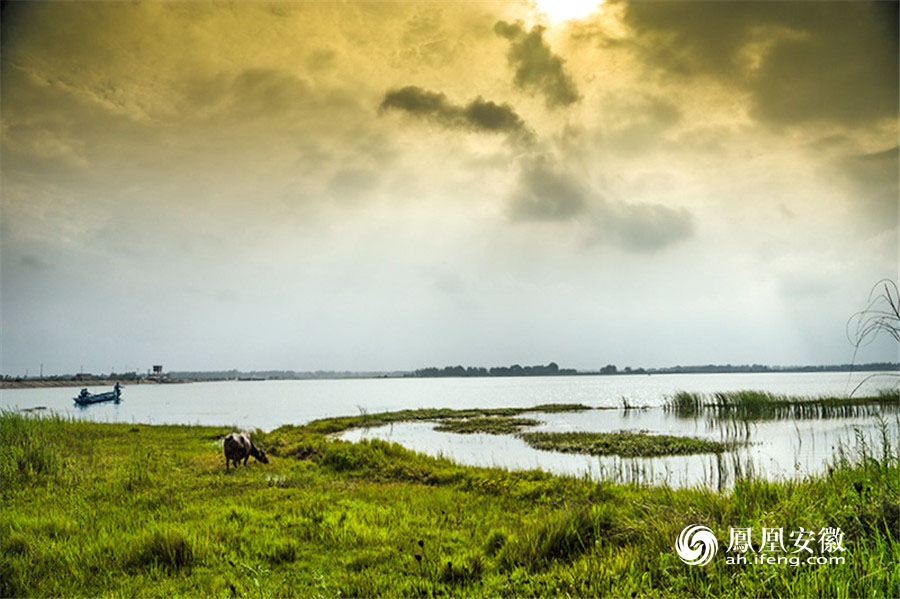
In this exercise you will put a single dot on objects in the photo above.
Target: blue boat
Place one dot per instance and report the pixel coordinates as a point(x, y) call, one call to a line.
point(84, 398)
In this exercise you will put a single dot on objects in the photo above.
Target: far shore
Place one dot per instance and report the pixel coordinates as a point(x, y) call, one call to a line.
point(890, 368)
point(39, 383)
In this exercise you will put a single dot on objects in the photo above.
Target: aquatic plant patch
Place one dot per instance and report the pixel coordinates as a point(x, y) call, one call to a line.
point(492, 425)
point(624, 444)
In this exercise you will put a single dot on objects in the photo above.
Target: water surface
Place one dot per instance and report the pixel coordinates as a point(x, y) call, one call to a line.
point(775, 449)
point(269, 404)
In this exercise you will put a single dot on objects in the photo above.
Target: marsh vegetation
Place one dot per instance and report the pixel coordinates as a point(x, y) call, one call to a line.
point(763, 405)
point(95, 509)
point(366, 420)
point(492, 425)
point(622, 443)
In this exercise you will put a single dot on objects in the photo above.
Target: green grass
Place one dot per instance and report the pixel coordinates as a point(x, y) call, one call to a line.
point(492, 425)
point(365, 420)
point(685, 404)
point(103, 510)
point(624, 444)
point(762, 405)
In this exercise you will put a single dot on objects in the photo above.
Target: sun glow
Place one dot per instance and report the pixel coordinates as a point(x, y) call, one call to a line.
point(558, 11)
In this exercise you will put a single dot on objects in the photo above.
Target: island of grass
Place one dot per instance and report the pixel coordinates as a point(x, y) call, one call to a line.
point(365, 420)
point(492, 425)
point(114, 510)
point(622, 443)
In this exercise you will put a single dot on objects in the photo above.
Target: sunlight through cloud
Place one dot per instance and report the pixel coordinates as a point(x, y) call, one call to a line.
point(559, 11)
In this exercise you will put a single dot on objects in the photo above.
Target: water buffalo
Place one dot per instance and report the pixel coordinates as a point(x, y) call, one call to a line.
point(238, 446)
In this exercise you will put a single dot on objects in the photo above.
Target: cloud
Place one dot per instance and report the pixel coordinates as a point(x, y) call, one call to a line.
point(801, 62)
point(547, 192)
point(32, 262)
point(637, 122)
point(873, 180)
point(478, 115)
point(351, 184)
point(538, 69)
point(645, 227)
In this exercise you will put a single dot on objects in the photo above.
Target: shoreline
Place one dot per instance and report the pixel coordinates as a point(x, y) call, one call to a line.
point(40, 384)
point(109, 382)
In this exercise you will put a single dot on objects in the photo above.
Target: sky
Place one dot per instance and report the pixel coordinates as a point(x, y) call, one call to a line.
point(388, 186)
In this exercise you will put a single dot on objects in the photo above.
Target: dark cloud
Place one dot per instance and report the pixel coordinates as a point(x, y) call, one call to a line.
point(800, 61)
point(549, 193)
point(545, 192)
point(538, 69)
point(478, 115)
point(645, 227)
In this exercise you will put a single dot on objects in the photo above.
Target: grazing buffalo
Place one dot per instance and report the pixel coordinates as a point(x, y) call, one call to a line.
point(238, 446)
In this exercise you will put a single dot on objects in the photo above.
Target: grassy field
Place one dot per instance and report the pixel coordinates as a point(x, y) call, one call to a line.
point(106, 510)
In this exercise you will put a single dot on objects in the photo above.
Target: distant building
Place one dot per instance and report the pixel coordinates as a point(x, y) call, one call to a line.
point(157, 369)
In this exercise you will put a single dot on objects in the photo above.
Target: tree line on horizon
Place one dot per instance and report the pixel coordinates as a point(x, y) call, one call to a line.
point(550, 369)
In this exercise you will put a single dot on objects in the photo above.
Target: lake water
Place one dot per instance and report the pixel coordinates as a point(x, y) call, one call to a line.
point(777, 449)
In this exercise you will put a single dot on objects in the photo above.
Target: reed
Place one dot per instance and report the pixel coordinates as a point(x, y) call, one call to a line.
point(763, 405)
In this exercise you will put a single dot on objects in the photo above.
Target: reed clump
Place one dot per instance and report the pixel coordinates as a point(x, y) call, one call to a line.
point(763, 405)
point(167, 548)
point(31, 450)
point(558, 537)
point(685, 404)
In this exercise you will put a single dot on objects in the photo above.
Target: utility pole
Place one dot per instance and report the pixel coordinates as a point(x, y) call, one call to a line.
point(42, 371)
